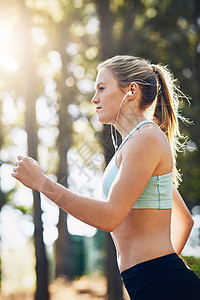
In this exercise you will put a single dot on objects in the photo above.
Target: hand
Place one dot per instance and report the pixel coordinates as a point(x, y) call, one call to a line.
point(28, 172)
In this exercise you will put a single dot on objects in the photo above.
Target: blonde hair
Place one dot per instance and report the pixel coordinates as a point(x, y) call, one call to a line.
point(158, 88)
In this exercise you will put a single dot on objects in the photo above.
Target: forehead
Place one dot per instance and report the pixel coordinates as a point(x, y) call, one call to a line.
point(105, 76)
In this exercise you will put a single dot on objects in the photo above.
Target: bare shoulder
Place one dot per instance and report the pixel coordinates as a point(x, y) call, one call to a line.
point(148, 138)
point(151, 131)
point(146, 148)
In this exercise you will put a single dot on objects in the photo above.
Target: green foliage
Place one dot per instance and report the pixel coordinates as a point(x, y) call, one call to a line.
point(193, 263)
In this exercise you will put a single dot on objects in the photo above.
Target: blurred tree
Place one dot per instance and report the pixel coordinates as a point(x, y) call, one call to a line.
point(28, 85)
point(64, 241)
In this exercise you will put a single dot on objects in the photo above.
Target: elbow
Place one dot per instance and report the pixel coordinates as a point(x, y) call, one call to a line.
point(190, 223)
point(106, 228)
point(111, 224)
point(109, 227)
point(112, 218)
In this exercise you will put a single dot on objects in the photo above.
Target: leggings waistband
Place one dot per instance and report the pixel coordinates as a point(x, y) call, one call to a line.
point(169, 261)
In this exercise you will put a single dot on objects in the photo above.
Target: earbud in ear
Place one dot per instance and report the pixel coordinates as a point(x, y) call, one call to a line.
point(129, 93)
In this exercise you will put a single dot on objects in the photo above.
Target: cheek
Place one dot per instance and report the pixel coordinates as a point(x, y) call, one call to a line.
point(112, 100)
point(107, 114)
point(115, 103)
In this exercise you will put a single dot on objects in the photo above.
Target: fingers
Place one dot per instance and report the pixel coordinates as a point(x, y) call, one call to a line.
point(16, 166)
point(14, 172)
point(20, 157)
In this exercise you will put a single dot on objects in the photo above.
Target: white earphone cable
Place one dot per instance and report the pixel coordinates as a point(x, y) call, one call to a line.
point(114, 136)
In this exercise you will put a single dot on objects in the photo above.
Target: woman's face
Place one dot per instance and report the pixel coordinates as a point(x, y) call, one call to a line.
point(107, 97)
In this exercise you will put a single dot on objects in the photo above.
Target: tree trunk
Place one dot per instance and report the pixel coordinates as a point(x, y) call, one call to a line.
point(106, 23)
point(129, 35)
point(29, 88)
point(63, 248)
point(41, 259)
point(64, 241)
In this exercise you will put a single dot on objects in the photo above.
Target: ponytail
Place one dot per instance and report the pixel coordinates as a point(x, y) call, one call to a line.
point(166, 114)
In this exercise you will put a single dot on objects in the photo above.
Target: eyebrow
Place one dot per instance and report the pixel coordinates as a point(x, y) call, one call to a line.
point(98, 84)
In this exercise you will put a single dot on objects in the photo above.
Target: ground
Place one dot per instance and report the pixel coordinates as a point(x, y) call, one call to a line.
point(84, 288)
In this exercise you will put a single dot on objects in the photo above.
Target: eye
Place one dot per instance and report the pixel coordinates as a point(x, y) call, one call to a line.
point(101, 88)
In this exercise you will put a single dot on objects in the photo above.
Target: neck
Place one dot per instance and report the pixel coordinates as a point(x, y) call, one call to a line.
point(127, 122)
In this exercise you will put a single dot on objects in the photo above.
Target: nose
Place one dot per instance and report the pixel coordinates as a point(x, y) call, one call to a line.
point(95, 99)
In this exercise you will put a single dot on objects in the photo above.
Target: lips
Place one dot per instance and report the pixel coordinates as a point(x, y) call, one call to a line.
point(98, 108)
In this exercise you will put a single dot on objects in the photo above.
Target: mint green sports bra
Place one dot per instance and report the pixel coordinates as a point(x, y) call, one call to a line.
point(158, 191)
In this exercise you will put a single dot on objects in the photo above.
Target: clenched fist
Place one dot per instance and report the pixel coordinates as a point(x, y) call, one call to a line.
point(29, 173)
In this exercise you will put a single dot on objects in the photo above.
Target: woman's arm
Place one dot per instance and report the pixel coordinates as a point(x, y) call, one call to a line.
point(138, 162)
point(93, 212)
point(181, 222)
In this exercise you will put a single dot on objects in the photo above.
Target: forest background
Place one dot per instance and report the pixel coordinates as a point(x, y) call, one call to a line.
point(49, 51)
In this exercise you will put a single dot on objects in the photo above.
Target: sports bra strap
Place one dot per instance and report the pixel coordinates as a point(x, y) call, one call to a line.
point(130, 133)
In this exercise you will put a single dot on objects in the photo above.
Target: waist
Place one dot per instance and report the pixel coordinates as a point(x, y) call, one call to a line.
point(168, 262)
point(138, 236)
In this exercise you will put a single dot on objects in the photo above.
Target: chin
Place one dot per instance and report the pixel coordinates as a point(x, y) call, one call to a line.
point(103, 120)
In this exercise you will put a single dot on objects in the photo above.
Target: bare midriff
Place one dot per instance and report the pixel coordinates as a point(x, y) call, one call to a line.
point(143, 235)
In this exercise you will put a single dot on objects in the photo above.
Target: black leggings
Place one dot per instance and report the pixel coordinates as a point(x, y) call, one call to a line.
point(162, 278)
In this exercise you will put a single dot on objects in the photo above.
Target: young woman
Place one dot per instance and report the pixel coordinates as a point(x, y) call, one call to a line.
point(141, 101)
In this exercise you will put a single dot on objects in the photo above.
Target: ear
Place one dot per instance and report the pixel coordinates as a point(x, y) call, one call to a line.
point(133, 90)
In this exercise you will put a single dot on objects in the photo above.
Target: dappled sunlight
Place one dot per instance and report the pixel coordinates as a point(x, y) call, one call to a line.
point(79, 228)
point(9, 47)
point(10, 106)
point(7, 183)
point(12, 233)
point(39, 36)
point(49, 51)
point(18, 265)
point(8, 62)
point(54, 8)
